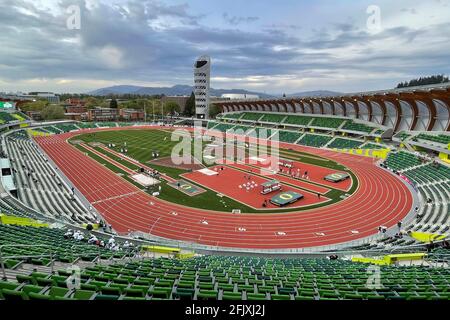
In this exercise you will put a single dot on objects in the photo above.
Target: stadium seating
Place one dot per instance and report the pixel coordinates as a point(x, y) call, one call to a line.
point(106, 124)
point(441, 138)
point(402, 135)
point(333, 123)
point(298, 120)
point(288, 136)
point(254, 116)
point(6, 117)
point(359, 127)
point(66, 127)
point(272, 117)
point(86, 125)
point(38, 185)
point(236, 278)
point(314, 140)
point(41, 243)
point(428, 173)
point(232, 115)
point(53, 129)
point(341, 143)
point(401, 160)
point(433, 184)
point(223, 127)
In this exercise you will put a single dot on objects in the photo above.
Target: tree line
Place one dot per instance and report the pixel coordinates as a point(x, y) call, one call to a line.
point(436, 79)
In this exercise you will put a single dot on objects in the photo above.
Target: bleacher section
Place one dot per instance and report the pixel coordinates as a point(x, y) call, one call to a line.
point(341, 143)
point(441, 138)
point(44, 241)
point(38, 185)
point(53, 129)
point(401, 160)
point(433, 185)
point(223, 127)
point(66, 127)
point(314, 140)
point(429, 173)
point(333, 123)
point(298, 120)
point(288, 136)
point(359, 127)
point(235, 278)
point(6, 117)
point(106, 124)
point(86, 125)
point(275, 118)
point(402, 135)
point(254, 116)
point(232, 115)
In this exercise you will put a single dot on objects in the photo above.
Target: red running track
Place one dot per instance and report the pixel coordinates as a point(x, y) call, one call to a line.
point(381, 199)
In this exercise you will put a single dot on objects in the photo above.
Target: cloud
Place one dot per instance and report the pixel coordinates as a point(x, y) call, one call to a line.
point(148, 42)
point(235, 20)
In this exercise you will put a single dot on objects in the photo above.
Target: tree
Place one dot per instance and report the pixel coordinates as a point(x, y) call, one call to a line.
point(113, 104)
point(171, 107)
point(92, 102)
point(189, 110)
point(214, 110)
point(424, 81)
point(52, 112)
point(38, 105)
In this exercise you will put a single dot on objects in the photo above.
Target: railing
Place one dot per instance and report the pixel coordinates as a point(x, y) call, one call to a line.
point(50, 255)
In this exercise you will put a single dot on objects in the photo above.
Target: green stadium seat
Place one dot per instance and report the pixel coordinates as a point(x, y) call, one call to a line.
point(8, 294)
point(207, 295)
point(83, 294)
point(231, 296)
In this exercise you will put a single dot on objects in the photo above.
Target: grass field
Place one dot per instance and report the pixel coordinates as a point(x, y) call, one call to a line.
point(141, 143)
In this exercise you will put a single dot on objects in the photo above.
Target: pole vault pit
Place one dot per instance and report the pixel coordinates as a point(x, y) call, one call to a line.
point(286, 198)
point(337, 177)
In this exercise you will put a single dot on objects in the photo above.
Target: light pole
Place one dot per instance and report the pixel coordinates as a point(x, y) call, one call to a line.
point(153, 103)
point(145, 111)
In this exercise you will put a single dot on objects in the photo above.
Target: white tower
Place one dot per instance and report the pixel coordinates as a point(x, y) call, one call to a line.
point(202, 70)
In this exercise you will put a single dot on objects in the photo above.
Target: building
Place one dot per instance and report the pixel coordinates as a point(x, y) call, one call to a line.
point(50, 96)
point(239, 96)
point(180, 100)
point(75, 102)
point(132, 115)
point(103, 114)
point(202, 70)
point(76, 109)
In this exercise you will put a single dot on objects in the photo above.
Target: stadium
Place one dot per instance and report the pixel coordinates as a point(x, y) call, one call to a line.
point(343, 197)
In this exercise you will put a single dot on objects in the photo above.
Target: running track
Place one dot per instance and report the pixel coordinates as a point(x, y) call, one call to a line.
point(381, 199)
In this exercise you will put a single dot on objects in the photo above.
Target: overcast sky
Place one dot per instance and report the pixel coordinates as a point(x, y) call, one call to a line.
point(282, 46)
